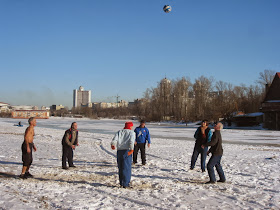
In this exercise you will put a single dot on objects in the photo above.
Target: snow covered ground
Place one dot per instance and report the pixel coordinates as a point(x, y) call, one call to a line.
point(250, 162)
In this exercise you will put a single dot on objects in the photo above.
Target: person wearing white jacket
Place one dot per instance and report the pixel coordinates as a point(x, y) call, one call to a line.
point(124, 142)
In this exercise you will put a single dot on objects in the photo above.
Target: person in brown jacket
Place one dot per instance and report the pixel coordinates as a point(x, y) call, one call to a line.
point(69, 142)
point(217, 153)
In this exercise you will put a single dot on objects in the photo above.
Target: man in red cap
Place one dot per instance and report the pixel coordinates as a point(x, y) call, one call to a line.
point(124, 142)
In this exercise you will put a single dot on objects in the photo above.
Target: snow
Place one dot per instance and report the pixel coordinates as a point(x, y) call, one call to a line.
point(250, 162)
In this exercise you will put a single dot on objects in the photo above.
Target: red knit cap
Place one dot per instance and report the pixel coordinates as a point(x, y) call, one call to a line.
point(128, 125)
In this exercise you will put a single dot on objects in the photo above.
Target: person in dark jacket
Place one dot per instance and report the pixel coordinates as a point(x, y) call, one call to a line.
point(69, 143)
point(217, 152)
point(142, 136)
point(202, 135)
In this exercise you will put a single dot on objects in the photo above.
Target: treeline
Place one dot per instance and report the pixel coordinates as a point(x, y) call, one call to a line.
point(5, 114)
point(204, 99)
point(182, 100)
point(95, 113)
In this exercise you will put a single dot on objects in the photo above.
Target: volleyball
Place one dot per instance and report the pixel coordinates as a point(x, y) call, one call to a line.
point(167, 8)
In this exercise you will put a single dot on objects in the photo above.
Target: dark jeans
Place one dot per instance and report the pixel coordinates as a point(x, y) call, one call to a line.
point(124, 165)
point(203, 152)
point(142, 147)
point(215, 160)
point(67, 154)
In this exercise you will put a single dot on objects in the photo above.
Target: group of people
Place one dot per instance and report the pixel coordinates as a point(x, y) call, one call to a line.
point(128, 143)
point(204, 138)
point(69, 143)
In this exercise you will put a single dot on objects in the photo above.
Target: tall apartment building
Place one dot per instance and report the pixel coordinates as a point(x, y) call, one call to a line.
point(82, 98)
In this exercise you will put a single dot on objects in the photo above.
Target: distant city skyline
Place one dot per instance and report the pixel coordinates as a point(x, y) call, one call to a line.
point(49, 48)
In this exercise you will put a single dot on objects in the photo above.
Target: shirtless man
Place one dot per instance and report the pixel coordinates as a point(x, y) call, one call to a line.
point(27, 147)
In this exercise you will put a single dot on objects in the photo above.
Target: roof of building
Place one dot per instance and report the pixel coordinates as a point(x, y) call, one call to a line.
point(273, 92)
point(255, 114)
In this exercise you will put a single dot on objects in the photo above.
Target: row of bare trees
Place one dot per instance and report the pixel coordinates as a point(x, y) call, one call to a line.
point(183, 100)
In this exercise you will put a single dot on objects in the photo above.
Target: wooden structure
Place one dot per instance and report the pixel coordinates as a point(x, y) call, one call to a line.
point(25, 114)
point(271, 105)
point(251, 119)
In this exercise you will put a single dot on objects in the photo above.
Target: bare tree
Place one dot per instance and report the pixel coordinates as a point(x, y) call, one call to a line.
point(156, 105)
point(180, 93)
point(224, 103)
point(266, 77)
point(254, 98)
point(165, 97)
point(201, 89)
point(180, 99)
point(265, 80)
point(240, 97)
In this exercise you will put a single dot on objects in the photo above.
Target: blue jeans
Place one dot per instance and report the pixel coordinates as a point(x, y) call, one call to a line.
point(124, 165)
point(196, 151)
point(215, 160)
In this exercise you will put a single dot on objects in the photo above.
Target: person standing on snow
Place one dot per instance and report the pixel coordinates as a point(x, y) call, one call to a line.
point(124, 142)
point(27, 147)
point(202, 135)
point(142, 136)
point(69, 143)
point(217, 153)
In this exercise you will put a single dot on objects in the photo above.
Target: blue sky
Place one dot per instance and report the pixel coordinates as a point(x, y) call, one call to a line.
point(50, 47)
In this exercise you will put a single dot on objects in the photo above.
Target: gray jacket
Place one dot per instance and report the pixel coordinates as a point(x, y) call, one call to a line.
point(124, 140)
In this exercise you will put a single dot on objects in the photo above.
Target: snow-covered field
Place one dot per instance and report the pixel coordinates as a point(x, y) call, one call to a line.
point(250, 162)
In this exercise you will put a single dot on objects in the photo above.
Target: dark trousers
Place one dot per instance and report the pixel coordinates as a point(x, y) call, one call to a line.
point(142, 147)
point(26, 157)
point(215, 160)
point(203, 152)
point(67, 154)
point(124, 165)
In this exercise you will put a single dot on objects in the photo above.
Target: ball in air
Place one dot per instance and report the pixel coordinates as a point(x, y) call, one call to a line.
point(167, 8)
